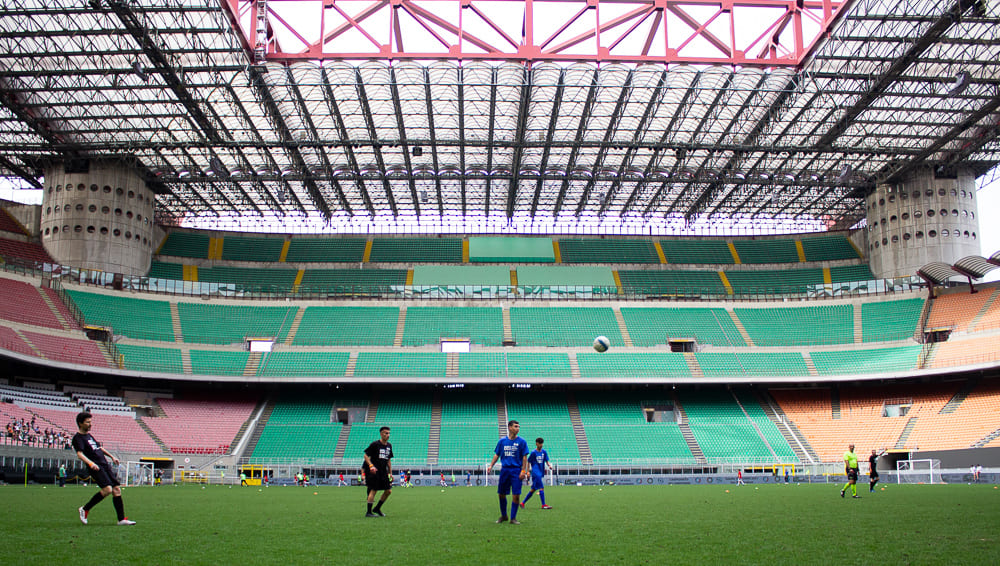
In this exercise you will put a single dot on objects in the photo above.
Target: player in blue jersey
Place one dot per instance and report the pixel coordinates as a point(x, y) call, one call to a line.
point(513, 455)
point(538, 460)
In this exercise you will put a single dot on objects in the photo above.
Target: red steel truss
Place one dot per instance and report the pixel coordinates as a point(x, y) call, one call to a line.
point(731, 32)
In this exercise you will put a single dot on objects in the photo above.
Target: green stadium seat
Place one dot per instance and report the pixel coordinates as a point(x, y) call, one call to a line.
point(212, 362)
point(326, 250)
point(693, 250)
point(146, 358)
point(122, 314)
point(239, 248)
point(855, 362)
point(347, 326)
point(671, 283)
point(398, 364)
point(254, 280)
point(416, 250)
point(890, 320)
point(611, 251)
point(301, 364)
point(755, 364)
point(161, 270)
point(798, 326)
point(766, 251)
point(360, 282)
point(563, 326)
point(214, 323)
point(746, 282)
point(632, 365)
point(828, 248)
point(428, 325)
point(185, 244)
point(653, 326)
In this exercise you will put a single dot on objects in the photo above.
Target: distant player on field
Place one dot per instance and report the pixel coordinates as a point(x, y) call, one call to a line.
point(513, 455)
point(539, 460)
point(873, 469)
point(90, 452)
point(378, 471)
point(851, 469)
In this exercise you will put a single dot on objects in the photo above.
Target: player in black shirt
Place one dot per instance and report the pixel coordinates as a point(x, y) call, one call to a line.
point(873, 470)
point(378, 471)
point(90, 452)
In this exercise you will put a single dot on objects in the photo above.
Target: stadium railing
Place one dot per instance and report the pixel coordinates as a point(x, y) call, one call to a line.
point(245, 291)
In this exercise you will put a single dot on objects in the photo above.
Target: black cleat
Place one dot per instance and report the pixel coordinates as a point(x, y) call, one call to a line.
point(515, 522)
point(841, 493)
point(502, 519)
point(370, 514)
point(855, 497)
point(379, 513)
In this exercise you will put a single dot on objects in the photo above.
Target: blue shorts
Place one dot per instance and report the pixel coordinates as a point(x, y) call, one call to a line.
point(537, 481)
point(510, 481)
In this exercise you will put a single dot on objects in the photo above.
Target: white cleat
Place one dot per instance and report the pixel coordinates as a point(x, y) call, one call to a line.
point(83, 515)
point(125, 521)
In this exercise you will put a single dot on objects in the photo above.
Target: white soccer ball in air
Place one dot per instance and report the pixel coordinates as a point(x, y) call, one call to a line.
point(601, 343)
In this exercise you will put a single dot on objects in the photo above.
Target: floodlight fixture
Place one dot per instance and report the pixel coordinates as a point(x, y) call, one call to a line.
point(845, 174)
point(140, 72)
point(962, 81)
point(417, 151)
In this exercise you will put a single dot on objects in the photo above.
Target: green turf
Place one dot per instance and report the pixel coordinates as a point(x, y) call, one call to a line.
point(775, 524)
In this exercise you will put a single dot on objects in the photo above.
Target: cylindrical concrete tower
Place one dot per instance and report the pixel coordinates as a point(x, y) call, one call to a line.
point(101, 219)
point(922, 220)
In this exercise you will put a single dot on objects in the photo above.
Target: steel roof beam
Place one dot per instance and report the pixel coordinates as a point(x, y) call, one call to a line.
point(307, 118)
point(461, 136)
point(376, 144)
point(274, 114)
point(654, 102)
point(668, 133)
point(553, 120)
point(895, 70)
point(345, 141)
point(398, 109)
point(489, 145)
point(428, 100)
point(574, 152)
point(524, 107)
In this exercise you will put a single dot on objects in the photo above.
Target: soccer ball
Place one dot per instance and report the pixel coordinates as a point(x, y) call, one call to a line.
point(601, 344)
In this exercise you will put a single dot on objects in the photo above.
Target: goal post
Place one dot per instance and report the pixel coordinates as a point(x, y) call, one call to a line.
point(138, 473)
point(918, 471)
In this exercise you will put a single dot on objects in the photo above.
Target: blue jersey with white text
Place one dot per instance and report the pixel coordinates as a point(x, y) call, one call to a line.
point(511, 451)
point(537, 459)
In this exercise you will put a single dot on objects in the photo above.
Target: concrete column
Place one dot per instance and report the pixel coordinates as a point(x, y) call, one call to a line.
point(922, 220)
point(99, 219)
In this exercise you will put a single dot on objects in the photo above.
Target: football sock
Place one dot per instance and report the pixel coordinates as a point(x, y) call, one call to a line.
point(378, 507)
point(119, 506)
point(530, 493)
point(854, 489)
point(541, 495)
point(369, 507)
point(503, 506)
point(97, 498)
point(846, 485)
point(513, 509)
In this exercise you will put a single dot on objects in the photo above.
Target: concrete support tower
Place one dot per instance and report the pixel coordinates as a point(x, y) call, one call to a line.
point(922, 220)
point(99, 218)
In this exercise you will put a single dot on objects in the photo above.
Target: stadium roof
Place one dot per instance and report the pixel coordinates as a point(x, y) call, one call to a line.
point(235, 129)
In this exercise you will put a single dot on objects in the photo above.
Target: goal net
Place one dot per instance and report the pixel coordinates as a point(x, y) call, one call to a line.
point(138, 473)
point(918, 471)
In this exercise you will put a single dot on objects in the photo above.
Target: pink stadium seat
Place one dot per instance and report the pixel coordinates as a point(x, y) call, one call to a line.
point(23, 303)
point(67, 350)
point(115, 432)
point(9, 340)
point(24, 250)
point(200, 426)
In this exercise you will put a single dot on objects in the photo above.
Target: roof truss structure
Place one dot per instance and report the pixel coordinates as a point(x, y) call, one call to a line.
point(252, 112)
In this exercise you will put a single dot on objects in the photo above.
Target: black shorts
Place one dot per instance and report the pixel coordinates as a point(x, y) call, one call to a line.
point(378, 481)
point(852, 474)
point(873, 475)
point(105, 476)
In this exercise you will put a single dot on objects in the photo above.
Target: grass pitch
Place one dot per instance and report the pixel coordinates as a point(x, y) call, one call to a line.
point(769, 524)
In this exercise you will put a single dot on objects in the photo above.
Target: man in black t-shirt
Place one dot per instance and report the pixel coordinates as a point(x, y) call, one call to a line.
point(873, 470)
point(378, 471)
point(96, 458)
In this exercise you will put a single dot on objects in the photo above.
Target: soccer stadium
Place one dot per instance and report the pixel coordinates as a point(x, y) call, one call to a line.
point(246, 234)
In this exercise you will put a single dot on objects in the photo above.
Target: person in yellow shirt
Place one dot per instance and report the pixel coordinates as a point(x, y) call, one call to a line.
point(851, 469)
